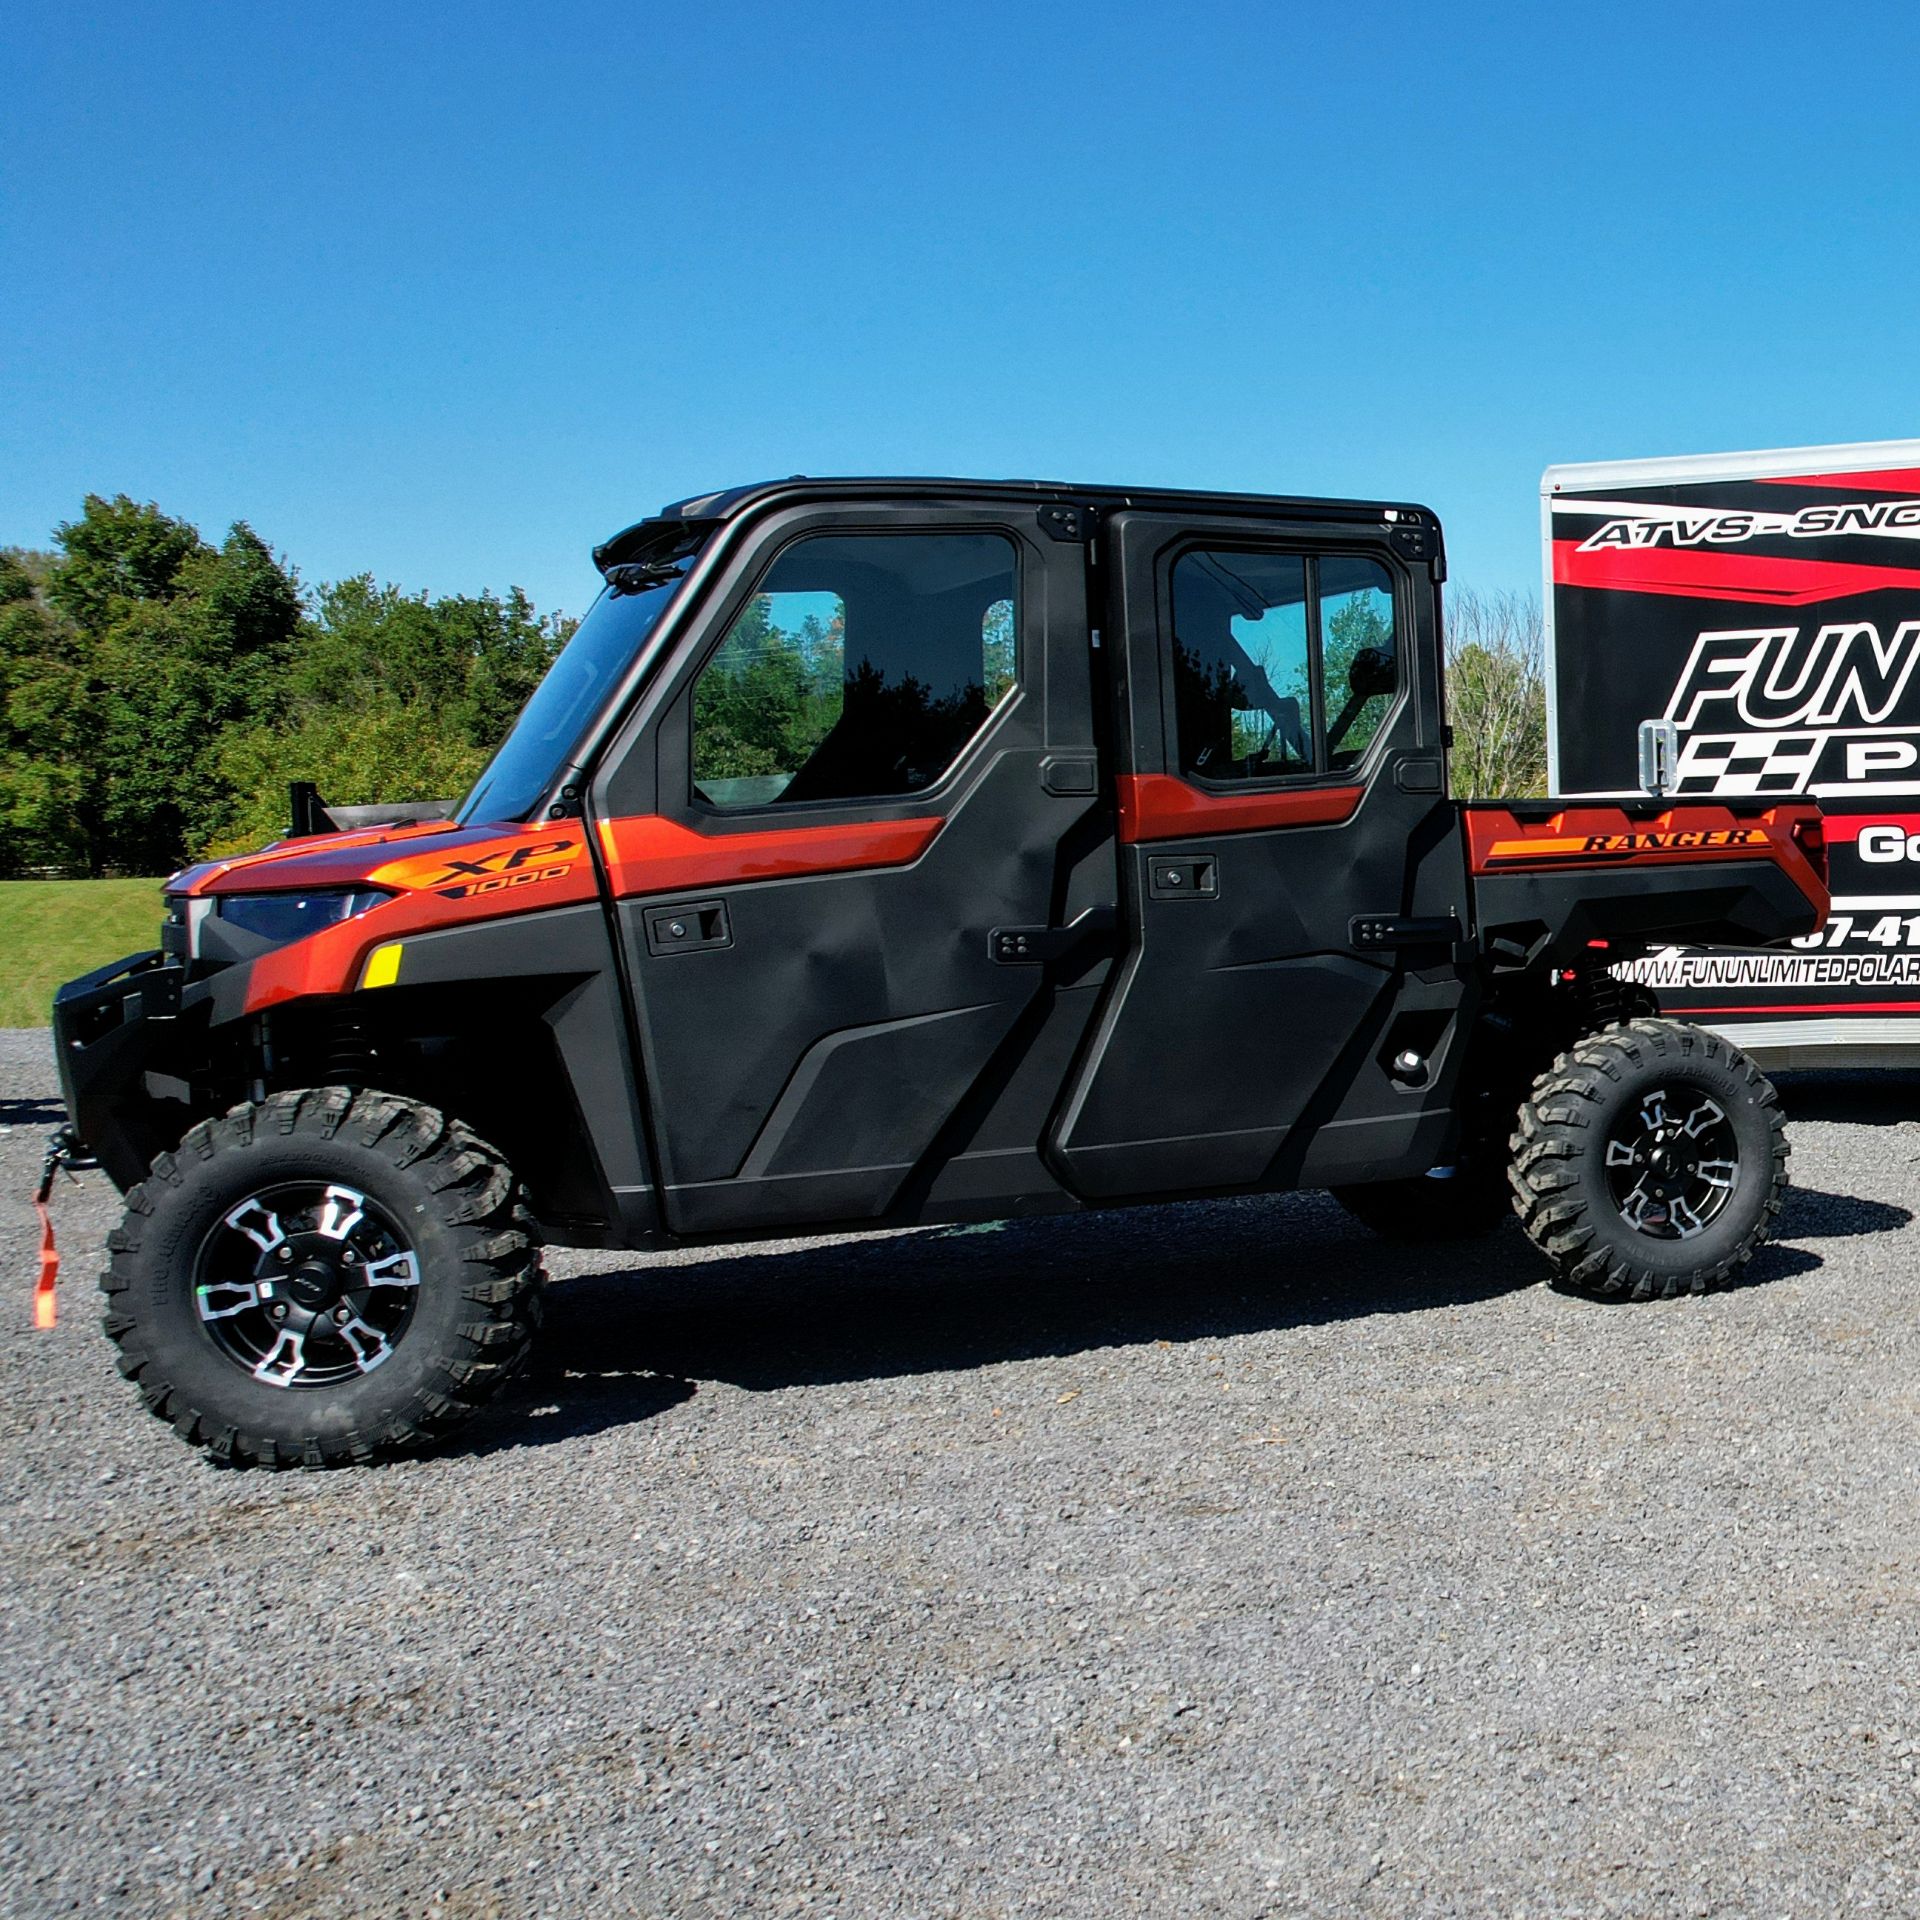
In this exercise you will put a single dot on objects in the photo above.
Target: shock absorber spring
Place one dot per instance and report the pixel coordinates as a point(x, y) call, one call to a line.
point(351, 1054)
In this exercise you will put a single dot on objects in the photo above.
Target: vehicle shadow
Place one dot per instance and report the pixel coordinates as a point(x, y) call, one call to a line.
point(32, 1113)
point(1812, 1215)
point(624, 1344)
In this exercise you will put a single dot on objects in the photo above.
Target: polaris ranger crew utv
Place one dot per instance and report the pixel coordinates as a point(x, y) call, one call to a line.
point(882, 852)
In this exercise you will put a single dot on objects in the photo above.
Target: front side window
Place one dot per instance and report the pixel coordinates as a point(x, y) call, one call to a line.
point(1283, 663)
point(860, 668)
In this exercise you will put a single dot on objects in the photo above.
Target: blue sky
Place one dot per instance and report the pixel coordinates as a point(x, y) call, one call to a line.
point(448, 294)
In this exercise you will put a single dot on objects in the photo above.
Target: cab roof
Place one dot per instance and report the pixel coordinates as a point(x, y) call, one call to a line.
point(728, 503)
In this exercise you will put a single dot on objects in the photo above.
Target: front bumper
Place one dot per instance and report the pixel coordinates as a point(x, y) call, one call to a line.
point(110, 1027)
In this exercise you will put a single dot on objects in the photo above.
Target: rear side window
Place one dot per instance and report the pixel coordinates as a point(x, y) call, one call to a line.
point(860, 669)
point(1284, 664)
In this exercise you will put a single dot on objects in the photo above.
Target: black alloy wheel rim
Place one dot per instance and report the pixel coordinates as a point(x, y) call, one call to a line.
point(1673, 1163)
point(307, 1284)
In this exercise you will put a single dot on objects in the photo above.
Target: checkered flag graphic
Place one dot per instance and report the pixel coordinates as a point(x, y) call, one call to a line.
point(1737, 765)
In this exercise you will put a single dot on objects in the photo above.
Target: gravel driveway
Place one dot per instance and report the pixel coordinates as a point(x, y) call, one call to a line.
point(1203, 1560)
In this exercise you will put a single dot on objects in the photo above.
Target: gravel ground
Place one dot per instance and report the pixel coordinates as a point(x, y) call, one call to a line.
point(1200, 1560)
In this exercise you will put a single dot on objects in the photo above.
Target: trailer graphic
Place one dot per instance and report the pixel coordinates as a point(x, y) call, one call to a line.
point(1768, 605)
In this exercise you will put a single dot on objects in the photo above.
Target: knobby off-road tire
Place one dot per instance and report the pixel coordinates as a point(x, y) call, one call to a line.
point(1455, 1204)
point(322, 1278)
point(1650, 1161)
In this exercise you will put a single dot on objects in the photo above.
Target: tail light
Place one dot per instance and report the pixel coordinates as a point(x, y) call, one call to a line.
point(1810, 836)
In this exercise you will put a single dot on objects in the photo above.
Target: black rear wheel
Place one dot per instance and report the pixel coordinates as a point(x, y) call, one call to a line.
point(322, 1278)
point(1650, 1160)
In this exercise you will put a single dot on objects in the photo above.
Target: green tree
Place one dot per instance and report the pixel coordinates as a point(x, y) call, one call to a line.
point(117, 551)
point(181, 642)
point(158, 693)
point(1496, 696)
point(387, 696)
point(45, 724)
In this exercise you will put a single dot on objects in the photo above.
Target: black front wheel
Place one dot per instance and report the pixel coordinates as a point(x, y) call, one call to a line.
point(322, 1278)
point(1650, 1160)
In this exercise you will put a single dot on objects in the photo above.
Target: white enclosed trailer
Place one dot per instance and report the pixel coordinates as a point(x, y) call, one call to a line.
point(1768, 606)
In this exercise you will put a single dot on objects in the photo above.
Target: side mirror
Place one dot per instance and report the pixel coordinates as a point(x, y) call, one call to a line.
point(1373, 670)
point(1659, 756)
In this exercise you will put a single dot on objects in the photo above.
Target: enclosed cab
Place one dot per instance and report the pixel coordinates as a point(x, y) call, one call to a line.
point(889, 852)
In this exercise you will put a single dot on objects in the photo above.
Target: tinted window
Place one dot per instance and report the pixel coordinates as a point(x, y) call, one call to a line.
point(576, 686)
point(1357, 655)
point(859, 669)
point(1283, 664)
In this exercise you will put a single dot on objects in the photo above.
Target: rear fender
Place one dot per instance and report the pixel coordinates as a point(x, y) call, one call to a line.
point(1552, 881)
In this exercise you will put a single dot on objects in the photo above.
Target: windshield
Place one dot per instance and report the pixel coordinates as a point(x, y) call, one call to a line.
point(552, 721)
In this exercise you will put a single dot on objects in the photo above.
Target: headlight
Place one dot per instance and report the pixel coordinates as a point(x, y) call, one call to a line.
point(216, 930)
point(279, 917)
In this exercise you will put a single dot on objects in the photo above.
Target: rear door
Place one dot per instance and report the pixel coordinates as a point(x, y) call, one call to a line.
point(1292, 869)
point(835, 840)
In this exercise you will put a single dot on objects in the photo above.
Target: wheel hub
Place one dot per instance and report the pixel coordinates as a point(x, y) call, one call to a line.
point(306, 1284)
point(315, 1284)
point(1673, 1163)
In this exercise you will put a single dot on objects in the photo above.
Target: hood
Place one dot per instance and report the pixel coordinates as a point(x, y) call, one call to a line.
point(327, 860)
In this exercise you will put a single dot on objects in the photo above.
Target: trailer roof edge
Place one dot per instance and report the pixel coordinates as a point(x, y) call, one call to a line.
point(1859, 456)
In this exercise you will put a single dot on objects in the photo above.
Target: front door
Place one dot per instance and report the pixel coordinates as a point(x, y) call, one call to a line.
point(835, 847)
point(1289, 1004)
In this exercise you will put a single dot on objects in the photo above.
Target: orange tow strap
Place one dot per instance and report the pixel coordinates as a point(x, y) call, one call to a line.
point(63, 1150)
point(45, 1311)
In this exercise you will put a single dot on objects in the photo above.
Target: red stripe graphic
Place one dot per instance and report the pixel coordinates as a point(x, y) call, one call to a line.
point(1848, 826)
point(1700, 573)
point(1882, 480)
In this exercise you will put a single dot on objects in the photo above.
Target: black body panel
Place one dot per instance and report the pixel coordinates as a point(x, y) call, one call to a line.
point(1244, 1019)
point(112, 1030)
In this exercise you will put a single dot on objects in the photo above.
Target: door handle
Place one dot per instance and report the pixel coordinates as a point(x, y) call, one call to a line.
point(1404, 930)
point(690, 926)
point(1034, 946)
point(1188, 879)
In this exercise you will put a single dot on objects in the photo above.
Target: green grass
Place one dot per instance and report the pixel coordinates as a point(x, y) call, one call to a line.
point(51, 930)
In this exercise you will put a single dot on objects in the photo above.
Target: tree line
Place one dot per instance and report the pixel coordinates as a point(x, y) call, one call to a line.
point(158, 692)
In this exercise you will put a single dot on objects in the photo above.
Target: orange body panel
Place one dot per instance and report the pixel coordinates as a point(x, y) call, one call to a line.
point(651, 854)
point(511, 870)
point(1156, 806)
point(1499, 841)
point(472, 877)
